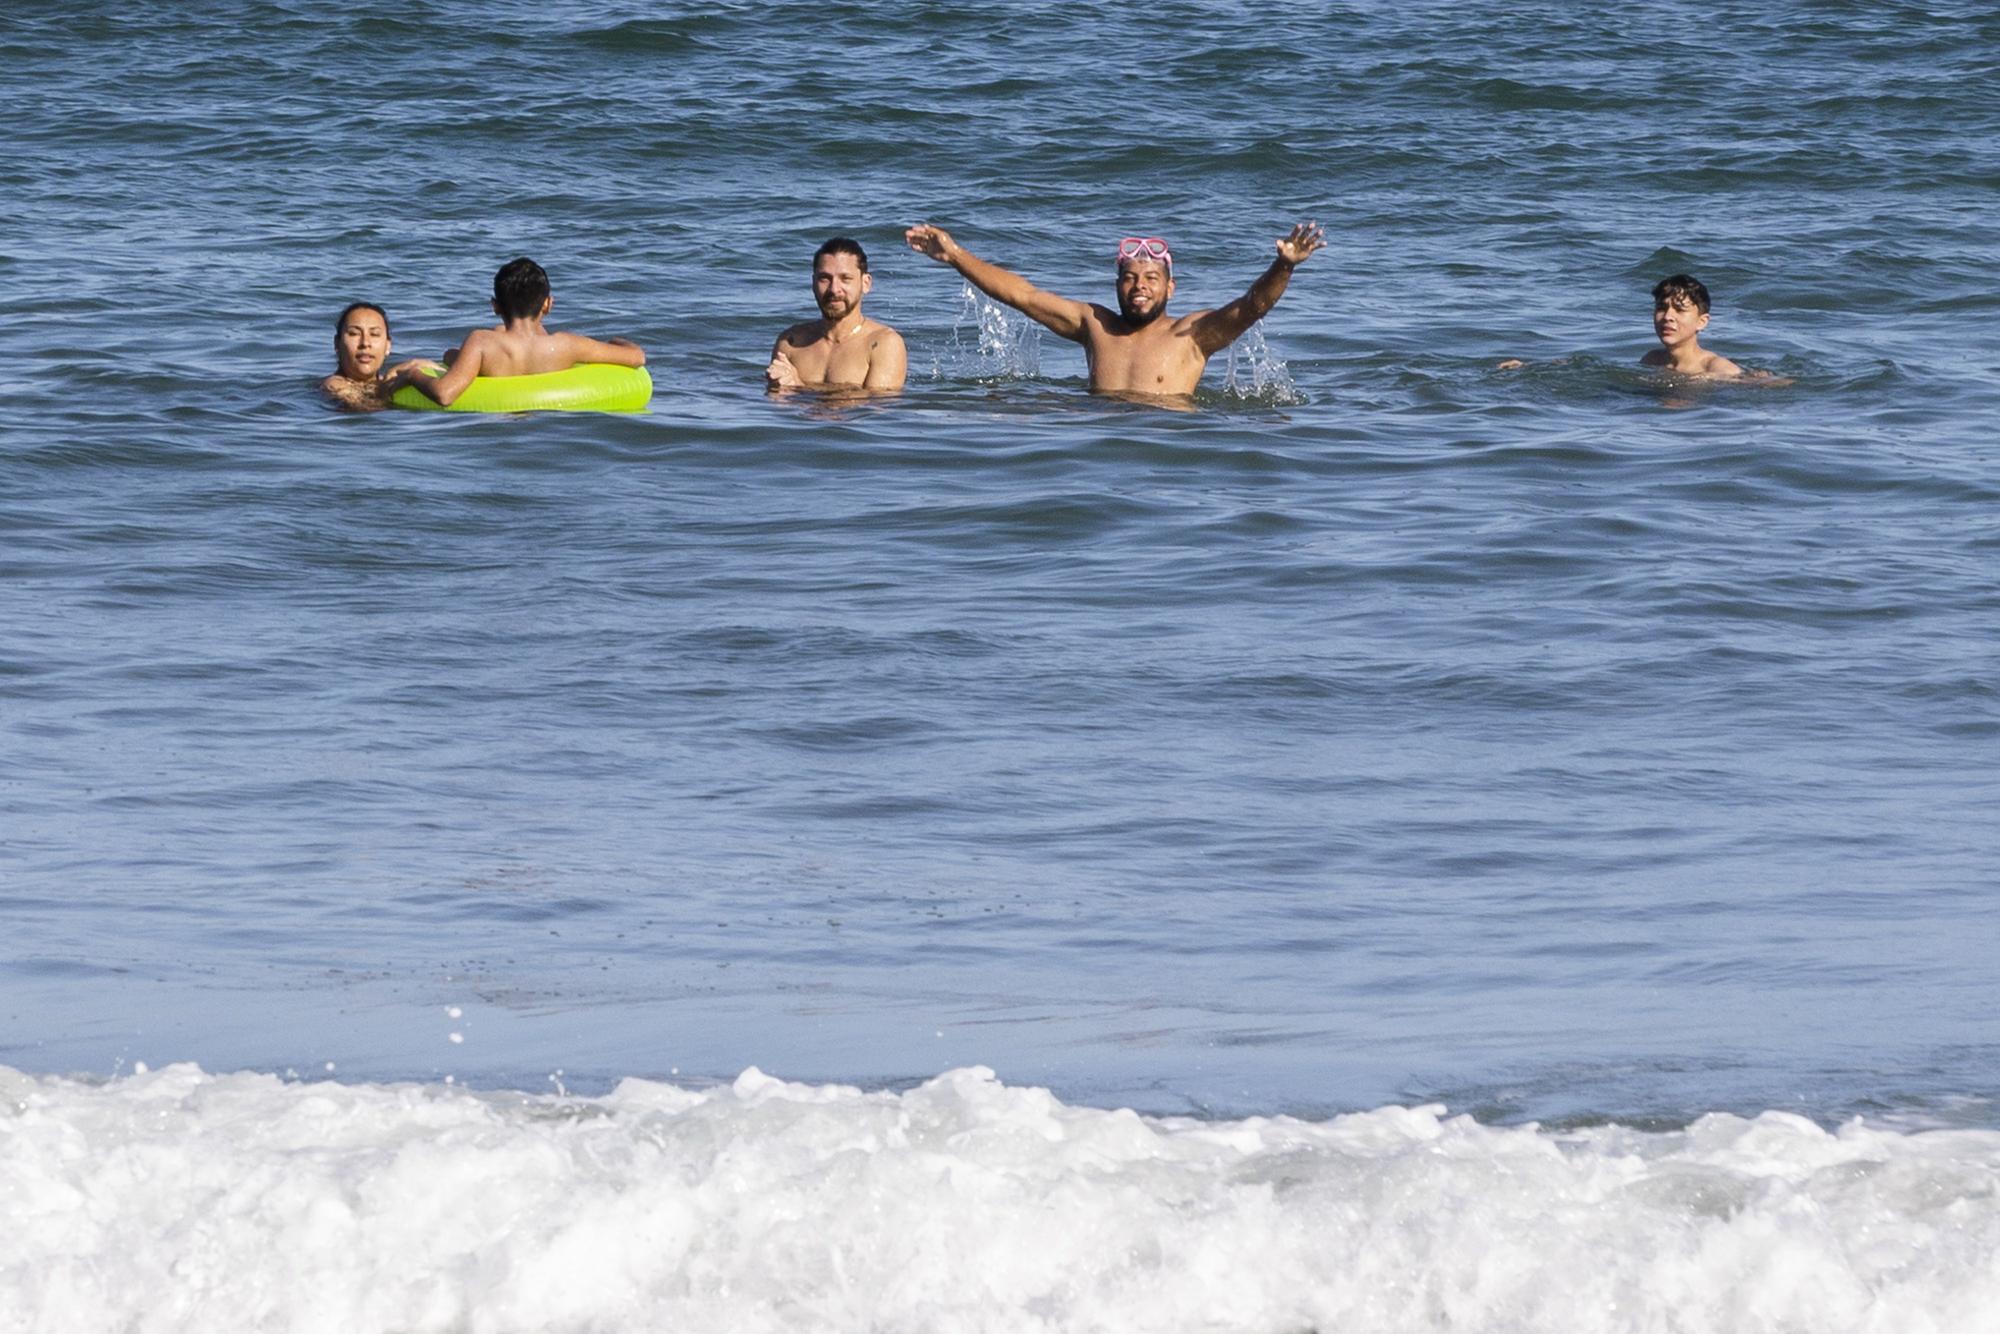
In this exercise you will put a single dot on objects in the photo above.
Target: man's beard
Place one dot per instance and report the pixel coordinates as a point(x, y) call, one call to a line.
point(1140, 321)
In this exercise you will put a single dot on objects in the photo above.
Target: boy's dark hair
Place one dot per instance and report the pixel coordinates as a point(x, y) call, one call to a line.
point(347, 313)
point(1681, 284)
point(519, 289)
point(843, 245)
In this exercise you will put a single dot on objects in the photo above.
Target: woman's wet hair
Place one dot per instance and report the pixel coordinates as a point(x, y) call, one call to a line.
point(842, 245)
point(1667, 290)
point(347, 313)
point(520, 288)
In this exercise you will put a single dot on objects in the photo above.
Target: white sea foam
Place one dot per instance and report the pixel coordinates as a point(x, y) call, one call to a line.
point(177, 1200)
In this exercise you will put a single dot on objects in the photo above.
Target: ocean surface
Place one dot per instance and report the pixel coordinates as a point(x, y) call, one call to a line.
point(1404, 846)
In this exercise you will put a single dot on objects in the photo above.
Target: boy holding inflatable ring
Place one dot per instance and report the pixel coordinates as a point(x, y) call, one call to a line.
point(520, 345)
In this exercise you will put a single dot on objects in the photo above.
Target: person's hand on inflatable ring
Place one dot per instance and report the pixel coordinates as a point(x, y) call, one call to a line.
point(403, 372)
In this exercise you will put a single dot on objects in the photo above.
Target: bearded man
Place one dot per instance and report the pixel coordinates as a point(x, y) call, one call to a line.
point(1137, 349)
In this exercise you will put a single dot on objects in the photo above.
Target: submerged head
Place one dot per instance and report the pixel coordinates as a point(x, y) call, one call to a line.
point(361, 340)
point(840, 277)
point(1145, 278)
point(521, 290)
point(1680, 309)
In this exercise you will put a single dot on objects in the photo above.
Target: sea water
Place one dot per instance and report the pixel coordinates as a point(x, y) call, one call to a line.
point(1406, 845)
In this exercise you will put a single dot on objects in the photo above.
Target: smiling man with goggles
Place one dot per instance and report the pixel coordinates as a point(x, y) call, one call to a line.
point(1137, 349)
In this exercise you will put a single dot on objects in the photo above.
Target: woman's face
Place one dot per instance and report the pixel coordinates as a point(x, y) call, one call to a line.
point(362, 344)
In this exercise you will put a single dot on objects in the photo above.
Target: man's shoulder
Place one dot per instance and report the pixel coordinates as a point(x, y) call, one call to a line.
point(1106, 321)
point(803, 334)
point(1717, 364)
point(884, 334)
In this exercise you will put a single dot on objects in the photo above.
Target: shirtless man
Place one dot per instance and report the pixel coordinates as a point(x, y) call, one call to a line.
point(842, 349)
point(361, 345)
point(1137, 349)
point(520, 345)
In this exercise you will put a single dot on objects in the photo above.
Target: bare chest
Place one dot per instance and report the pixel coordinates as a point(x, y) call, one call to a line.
point(824, 361)
point(1147, 362)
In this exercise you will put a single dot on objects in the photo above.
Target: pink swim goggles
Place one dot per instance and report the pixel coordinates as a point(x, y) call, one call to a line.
point(1145, 247)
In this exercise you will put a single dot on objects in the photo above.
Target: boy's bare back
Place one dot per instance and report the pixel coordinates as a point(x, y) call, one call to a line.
point(519, 345)
point(526, 348)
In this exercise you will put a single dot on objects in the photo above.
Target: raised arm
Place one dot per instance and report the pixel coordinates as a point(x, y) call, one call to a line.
point(1058, 314)
point(1216, 329)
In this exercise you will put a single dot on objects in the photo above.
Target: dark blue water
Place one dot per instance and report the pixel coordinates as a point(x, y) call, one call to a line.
point(1555, 743)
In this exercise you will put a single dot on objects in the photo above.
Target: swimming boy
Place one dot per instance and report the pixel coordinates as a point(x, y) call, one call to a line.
point(1137, 349)
point(842, 349)
point(361, 345)
point(520, 345)
point(1680, 313)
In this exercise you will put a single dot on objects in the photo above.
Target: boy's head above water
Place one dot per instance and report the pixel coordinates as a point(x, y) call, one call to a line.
point(1680, 311)
point(521, 290)
point(1681, 289)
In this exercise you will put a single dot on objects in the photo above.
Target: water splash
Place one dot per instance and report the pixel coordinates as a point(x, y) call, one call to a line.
point(1004, 344)
point(1254, 373)
point(991, 341)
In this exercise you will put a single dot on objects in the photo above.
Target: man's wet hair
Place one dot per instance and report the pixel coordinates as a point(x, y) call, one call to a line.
point(1681, 285)
point(842, 245)
point(347, 313)
point(519, 289)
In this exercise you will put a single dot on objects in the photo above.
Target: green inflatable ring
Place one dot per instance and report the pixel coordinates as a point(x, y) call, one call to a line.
point(590, 388)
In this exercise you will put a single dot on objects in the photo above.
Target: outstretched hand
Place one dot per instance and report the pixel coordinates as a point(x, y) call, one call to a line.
point(928, 240)
point(1297, 247)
